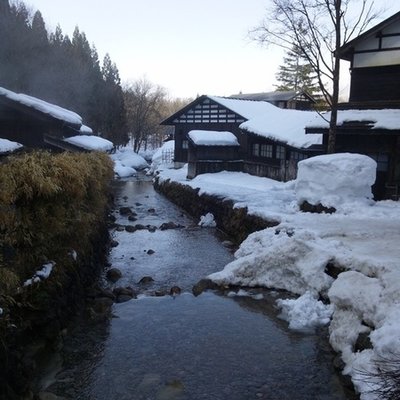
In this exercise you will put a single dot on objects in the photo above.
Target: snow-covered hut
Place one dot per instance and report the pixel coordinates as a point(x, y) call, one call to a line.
point(212, 151)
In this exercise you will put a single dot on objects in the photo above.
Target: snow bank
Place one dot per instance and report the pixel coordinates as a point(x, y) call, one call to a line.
point(7, 146)
point(160, 156)
point(90, 142)
point(127, 162)
point(293, 261)
point(306, 312)
point(334, 179)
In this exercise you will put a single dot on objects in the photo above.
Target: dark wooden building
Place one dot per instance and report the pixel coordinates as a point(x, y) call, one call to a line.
point(267, 144)
point(370, 122)
point(290, 99)
point(35, 123)
point(212, 151)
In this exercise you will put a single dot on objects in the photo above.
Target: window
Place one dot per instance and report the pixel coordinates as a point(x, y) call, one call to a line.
point(280, 152)
point(294, 155)
point(266, 150)
point(185, 144)
point(256, 149)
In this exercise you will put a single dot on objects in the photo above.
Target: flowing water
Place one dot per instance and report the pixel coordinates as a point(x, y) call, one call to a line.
point(213, 346)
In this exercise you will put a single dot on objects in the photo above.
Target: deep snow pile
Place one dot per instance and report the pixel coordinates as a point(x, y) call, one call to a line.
point(362, 238)
point(127, 162)
point(333, 179)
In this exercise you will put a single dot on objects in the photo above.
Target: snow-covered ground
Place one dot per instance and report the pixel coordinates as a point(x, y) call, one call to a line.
point(127, 162)
point(362, 237)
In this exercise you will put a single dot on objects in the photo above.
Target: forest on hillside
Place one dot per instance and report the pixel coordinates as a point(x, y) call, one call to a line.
point(67, 72)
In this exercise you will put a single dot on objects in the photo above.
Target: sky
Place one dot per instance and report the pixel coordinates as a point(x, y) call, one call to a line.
point(188, 47)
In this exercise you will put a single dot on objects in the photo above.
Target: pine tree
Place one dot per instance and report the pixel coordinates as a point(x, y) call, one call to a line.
point(296, 74)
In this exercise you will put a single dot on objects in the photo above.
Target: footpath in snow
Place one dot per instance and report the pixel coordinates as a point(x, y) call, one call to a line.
point(360, 240)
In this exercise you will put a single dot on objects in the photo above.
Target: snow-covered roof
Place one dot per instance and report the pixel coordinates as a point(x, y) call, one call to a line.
point(52, 110)
point(373, 119)
point(246, 108)
point(7, 146)
point(213, 138)
point(86, 130)
point(90, 142)
point(270, 96)
point(283, 125)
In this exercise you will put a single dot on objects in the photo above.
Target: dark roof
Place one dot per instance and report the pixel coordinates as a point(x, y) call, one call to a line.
point(271, 96)
point(346, 51)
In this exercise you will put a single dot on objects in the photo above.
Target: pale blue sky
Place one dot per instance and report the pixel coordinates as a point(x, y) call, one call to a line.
point(189, 47)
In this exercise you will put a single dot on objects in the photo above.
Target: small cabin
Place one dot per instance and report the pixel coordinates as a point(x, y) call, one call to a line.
point(212, 151)
point(35, 123)
point(370, 122)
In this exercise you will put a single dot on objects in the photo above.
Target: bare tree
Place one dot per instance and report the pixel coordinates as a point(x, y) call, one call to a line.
point(317, 29)
point(143, 103)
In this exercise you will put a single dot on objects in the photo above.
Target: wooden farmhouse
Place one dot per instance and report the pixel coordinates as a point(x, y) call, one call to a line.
point(291, 99)
point(35, 123)
point(270, 140)
point(370, 122)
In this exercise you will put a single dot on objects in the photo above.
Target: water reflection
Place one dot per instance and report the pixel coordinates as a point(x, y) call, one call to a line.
point(205, 347)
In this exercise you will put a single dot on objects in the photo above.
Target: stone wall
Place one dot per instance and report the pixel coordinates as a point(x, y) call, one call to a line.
point(236, 222)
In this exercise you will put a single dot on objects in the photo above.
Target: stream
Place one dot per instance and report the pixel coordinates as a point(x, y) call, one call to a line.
point(221, 346)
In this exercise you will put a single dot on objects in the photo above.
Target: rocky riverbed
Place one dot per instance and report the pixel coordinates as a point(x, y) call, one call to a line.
point(145, 335)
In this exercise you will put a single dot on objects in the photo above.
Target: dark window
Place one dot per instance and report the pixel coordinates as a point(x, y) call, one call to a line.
point(266, 150)
point(280, 152)
point(294, 155)
point(185, 144)
point(256, 149)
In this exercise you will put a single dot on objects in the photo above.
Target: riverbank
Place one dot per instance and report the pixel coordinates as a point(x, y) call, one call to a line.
point(349, 259)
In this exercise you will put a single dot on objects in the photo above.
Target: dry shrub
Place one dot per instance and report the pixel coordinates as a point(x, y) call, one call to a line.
point(50, 204)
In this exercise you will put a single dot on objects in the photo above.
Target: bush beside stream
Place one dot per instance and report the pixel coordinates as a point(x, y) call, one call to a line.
point(52, 211)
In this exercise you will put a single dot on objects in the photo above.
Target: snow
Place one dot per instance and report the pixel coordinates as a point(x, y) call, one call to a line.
point(305, 313)
point(7, 146)
point(85, 130)
point(213, 138)
point(41, 274)
point(285, 126)
point(159, 158)
point(362, 237)
point(264, 119)
point(375, 119)
point(333, 179)
point(44, 107)
point(127, 162)
point(90, 142)
point(207, 221)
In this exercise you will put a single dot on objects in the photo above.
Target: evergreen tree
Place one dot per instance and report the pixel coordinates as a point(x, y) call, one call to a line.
point(296, 74)
point(113, 106)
